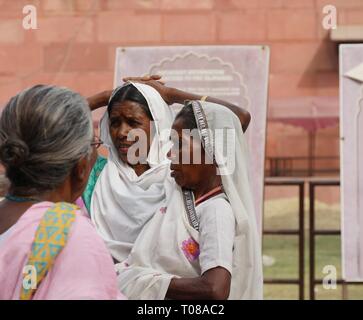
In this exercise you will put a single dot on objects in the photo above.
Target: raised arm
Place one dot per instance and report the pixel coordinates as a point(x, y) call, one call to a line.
point(173, 95)
point(178, 96)
point(101, 99)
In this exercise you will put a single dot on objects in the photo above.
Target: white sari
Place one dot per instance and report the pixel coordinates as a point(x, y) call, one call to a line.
point(122, 202)
point(158, 254)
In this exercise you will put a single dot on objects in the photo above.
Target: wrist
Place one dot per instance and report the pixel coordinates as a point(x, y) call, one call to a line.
point(171, 95)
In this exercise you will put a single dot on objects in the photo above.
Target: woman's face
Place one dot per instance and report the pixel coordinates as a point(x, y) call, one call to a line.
point(194, 170)
point(123, 119)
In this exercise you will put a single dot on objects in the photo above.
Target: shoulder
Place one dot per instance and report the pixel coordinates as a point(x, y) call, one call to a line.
point(60, 213)
point(100, 162)
point(83, 231)
point(75, 274)
point(86, 243)
point(215, 211)
point(97, 169)
point(218, 204)
point(92, 180)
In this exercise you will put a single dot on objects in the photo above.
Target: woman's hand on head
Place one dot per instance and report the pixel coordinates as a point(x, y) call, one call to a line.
point(155, 82)
point(101, 99)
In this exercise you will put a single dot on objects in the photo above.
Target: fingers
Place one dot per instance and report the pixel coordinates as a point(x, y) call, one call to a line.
point(156, 77)
point(137, 80)
point(148, 77)
point(143, 78)
point(130, 79)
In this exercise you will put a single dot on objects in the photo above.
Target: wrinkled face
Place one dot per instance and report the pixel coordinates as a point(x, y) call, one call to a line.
point(196, 170)
point(129, 124)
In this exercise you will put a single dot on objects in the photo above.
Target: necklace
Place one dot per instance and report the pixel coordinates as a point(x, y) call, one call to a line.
point(209, 194)
point(14, 198)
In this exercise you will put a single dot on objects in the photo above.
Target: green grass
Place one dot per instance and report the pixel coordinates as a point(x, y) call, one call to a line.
point(282, 214)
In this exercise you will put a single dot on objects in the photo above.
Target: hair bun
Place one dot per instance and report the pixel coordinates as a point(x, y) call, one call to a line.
point(13, 152)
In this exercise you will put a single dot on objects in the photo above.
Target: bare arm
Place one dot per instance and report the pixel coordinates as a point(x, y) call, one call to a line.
point(214, 284)
point(173, 95)
point(99, 100)
point(178, 96)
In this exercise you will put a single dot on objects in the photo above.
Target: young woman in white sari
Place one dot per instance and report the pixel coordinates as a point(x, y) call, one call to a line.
point(203, 242)
point(123, 193)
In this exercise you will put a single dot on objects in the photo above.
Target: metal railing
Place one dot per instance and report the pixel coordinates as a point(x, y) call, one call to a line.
point(313, 232)
point(300, 281)
point(313, 183)
point(301, 166)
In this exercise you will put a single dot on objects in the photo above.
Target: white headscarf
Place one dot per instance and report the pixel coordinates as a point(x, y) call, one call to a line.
point(157, 254)
point(123, 202)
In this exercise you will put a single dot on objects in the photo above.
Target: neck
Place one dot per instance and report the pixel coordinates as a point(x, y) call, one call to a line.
point(61, 194)
point(55, 196)
point(207, 186)
point(140, 168)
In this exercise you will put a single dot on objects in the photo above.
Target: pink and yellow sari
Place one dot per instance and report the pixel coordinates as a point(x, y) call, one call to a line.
point(62, 247)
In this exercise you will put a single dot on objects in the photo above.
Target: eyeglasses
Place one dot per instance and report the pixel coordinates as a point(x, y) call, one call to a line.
point(97, 142)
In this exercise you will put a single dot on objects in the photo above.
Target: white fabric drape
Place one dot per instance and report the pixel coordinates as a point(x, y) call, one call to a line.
point(123, 202)
point(157, 255)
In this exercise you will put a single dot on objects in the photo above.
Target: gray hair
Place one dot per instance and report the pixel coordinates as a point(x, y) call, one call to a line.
point(44, 132)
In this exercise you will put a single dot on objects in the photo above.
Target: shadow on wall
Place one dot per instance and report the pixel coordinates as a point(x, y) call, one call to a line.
point(322, 70)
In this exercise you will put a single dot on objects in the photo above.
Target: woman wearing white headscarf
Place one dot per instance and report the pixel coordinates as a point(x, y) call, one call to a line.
point(126, 196)
point(204, 244)
point(124, 192)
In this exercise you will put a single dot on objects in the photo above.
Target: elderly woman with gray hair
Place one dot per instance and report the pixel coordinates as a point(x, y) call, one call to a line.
point(48, 248)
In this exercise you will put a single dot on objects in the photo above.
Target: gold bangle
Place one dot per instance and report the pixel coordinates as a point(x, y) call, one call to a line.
point(204, 98)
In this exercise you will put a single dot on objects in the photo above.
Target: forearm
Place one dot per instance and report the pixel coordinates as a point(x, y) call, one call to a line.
point(98, 100)
point(189, 289)
point(214, 284)
point(178, 96)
